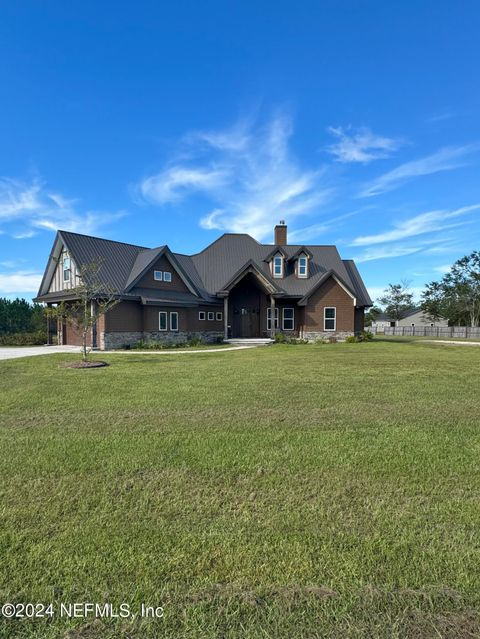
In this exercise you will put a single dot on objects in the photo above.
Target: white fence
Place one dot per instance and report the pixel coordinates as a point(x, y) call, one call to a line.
point(433, 331)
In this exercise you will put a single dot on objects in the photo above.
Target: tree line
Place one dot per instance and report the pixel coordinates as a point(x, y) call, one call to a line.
point(22, 322)
point(455, 297)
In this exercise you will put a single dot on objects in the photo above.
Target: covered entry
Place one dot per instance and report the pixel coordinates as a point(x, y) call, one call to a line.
point(246, 299)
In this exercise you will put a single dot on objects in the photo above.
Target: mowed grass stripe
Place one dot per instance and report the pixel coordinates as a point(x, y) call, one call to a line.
point(289, 491)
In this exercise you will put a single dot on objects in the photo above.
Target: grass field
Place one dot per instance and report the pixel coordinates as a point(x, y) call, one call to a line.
point(285, 492)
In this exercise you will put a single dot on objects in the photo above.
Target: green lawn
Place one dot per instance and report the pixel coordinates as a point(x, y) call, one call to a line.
point(283, 492)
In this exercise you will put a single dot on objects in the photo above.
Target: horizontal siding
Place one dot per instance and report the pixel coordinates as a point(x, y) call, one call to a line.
point(330, 294)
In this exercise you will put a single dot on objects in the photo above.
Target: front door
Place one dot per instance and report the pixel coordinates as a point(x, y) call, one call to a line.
point(249, 322)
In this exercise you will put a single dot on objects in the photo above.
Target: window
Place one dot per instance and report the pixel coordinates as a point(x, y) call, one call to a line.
point(269, 318)
point(158, 275)
point(174, 321)
point(167, 276)
point(162, 321)
point(66, 269)
point(330, 317)
point(278, 266)
point(201, 316)
point(302, 267)
point(219, 317)
point(288, 319)
point(211, 315)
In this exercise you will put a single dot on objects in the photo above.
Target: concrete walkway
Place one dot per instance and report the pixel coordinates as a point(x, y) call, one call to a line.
point(174, 351)
point(445, 341)
point(13, 352)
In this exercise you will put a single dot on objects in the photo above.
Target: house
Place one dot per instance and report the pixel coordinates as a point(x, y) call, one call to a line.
point(382, 321)
point(236, 287)
point(415, 317)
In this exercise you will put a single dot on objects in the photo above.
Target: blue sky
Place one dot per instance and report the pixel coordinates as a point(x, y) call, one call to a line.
point(154, 122)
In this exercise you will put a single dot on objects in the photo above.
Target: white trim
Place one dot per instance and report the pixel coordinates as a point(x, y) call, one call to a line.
point(211, 316)
point(292, 319)
point(278, 256)
point(171, 314)
point(202, 319)
point(166, 320)
point(158, 276)
point(167, 276)
point(325, 318)
point(219, 316)
point(66, 270)
point(269, 318)
point(305, 275)
point(345, 289)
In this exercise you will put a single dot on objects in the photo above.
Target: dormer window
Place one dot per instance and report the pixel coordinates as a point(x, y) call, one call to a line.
point(302, 266)
point(278, 266)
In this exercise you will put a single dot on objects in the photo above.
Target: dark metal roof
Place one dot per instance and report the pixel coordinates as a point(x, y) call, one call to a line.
point(210, 270)
point(117, 258)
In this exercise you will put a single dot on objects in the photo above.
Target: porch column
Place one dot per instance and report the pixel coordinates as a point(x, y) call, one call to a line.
point(272, 317)
point(225, 317)
point(94, 326)
point(49, 326)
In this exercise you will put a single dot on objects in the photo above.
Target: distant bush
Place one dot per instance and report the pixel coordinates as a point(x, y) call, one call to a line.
point(36, 338)
point(363, 336)
point(152, 345)
point(281, 338)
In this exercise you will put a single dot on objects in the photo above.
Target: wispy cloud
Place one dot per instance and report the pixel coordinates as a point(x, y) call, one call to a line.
point(20, 282)
point(384, 252)
point(314, 231)
point(445, 159)
point(443, 268)
point(360, 145)
point(430, 222)
point(439, 117)
point(26, 207)
point(249, 174)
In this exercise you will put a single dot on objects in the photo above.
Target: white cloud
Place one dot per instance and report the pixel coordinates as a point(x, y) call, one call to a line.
point(28, 206)
point(20, 282)
point(430, 222)
point(360, 146)
point(443, 268)
point(445, 159)
point(383, 252)
point(248, 172)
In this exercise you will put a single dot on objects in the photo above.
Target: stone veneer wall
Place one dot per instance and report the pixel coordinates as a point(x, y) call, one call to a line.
point(312, 336)
point(130, 338)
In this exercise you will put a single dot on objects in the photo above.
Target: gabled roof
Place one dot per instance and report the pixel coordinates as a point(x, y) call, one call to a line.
point(276, 250)
point(302, 249)
point(146, 259)
point(264, 279)
point(321, 281)
point(212, 270)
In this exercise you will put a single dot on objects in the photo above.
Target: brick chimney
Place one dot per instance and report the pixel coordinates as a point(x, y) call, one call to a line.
point(280, 237)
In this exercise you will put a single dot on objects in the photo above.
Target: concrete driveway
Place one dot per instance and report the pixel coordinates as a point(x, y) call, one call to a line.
point(13, 352)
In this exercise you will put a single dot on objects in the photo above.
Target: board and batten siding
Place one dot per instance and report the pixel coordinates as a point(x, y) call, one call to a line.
point(57, 284)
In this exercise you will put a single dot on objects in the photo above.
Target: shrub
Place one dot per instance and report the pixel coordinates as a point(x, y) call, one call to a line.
point(332, 339)
point(280, 338)
point(36, 338)
point(196, 340)
point(364, 336)
point(351, 339)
